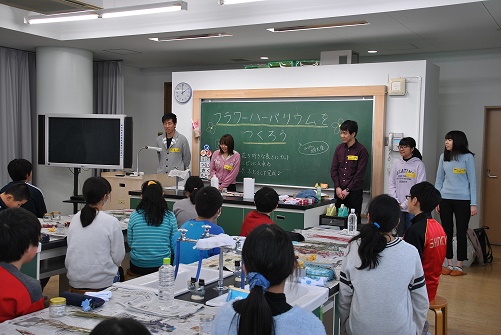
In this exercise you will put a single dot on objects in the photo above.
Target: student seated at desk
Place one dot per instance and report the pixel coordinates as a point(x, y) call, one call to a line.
point(184, 209)
point(14, 196)
point(268, 257)
point(151, 228)
point(20, 294)
point(95, 241)
point(426, 234)
point(382, 287)
point(208, 203)
point(20, 171)
point(266, 201)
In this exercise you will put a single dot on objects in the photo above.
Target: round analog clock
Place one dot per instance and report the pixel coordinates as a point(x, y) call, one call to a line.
point(183, 92)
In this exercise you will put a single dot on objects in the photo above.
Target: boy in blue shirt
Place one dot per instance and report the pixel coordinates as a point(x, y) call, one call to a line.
point(208, 204)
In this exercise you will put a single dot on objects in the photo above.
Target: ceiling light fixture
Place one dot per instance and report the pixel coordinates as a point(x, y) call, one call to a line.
point(78, 16)
point(160, 7)
point(234, 2)
point(188, 37)
point(372, 51)
point(319, 26)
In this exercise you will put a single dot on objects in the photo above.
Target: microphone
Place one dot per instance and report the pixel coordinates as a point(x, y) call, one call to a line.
point(148, 147)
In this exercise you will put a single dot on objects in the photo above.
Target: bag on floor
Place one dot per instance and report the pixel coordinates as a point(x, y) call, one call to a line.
point(485, 245)
point(476, 245)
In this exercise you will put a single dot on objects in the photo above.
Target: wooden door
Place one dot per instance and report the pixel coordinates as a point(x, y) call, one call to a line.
point(491, 175)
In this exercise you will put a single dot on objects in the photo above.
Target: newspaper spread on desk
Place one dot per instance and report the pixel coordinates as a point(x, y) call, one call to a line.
point(138, 304)
point(322, 245)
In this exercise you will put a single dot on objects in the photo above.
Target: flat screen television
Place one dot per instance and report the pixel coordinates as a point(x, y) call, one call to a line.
point(87, 140)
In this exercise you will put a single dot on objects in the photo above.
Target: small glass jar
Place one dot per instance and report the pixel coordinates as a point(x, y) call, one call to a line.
point(56, 216)
point(205, 324)
point(47, 217)
point(57, 307)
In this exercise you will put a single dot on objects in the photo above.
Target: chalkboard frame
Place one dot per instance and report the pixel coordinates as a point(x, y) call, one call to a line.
point(377, 92)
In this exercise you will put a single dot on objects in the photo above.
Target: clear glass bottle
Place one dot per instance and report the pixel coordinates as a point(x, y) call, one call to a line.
point(166, 285)
point(352, 222)
point(57, 307)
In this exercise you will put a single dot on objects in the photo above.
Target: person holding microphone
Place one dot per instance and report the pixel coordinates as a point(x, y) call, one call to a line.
point(225, 163)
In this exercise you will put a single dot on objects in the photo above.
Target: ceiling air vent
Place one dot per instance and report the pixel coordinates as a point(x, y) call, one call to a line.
point(48, 7)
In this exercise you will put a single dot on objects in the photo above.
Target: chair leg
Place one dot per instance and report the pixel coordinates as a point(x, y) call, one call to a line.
point(439, 322)
point(445, 320)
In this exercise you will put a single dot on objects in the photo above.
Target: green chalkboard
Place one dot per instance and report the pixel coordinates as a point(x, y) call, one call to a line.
point(285, 142)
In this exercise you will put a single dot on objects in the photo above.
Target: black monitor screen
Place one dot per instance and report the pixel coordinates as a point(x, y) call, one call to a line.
point(84, 141)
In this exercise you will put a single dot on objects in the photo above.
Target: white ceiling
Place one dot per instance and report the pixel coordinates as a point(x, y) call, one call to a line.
point(396, 27)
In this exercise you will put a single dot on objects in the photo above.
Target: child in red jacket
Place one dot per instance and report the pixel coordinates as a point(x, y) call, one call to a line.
point(426, 234)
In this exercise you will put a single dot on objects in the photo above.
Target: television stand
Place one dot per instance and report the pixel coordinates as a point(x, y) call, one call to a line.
point(75, 199)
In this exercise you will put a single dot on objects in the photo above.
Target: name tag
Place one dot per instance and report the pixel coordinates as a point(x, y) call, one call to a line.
point(174, 150)
point(458, 171)
point(352, 158)
point(410, 175)
point(228, 167)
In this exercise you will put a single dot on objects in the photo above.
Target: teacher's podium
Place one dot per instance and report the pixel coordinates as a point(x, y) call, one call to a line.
point(121, 184)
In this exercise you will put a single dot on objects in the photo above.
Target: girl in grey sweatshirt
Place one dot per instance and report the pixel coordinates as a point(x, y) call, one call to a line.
point(405, 173)
point(382, 290)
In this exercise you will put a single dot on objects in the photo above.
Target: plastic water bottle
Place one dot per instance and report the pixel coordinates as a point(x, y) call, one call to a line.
point(352, 222)
point(319, 192)
point(214, 181)
point(166, 285)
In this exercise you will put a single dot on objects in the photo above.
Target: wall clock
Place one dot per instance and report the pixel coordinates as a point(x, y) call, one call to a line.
point(183, 92)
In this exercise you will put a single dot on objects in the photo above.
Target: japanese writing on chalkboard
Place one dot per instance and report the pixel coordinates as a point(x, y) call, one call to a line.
point(285, 142)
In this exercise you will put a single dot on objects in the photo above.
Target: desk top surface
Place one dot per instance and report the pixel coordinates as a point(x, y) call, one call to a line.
point(138, 304)
point(238, 200)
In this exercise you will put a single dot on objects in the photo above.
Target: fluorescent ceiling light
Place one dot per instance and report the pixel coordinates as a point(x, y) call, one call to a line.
point(188, 37)
point(78, 16)
point(319, 26)
point(234, 2)
point(372, 51)
point(160, 7)
point(154, 8)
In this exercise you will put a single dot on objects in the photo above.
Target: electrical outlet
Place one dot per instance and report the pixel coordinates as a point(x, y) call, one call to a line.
point(121, 201)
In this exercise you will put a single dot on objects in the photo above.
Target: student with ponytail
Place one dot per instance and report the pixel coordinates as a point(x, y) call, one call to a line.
point(268, 258)
point(406, 172)
point(382, 288)
point(151, 228)
point(184, 209)
point(95, 240)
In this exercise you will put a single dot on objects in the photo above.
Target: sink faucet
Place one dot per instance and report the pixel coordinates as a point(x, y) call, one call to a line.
point(238, 250)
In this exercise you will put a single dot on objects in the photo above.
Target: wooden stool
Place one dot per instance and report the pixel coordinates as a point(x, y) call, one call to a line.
point(130, 275)
point(439, 307)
